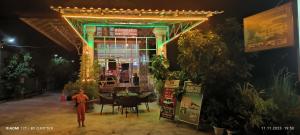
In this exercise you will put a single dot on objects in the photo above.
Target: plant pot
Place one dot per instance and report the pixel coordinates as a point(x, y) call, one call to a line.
point(218, 130)
point(232, 132)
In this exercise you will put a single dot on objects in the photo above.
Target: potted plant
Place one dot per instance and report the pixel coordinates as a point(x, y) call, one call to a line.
point(254, 109)
point(233, 125)
point(91, 90)
point(70, 89)
point(218, 130)
point(216, 116)
point(235, 108)
point(159, 70)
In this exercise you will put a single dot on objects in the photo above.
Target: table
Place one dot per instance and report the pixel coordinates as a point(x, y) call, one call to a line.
point(128, 100)
point(124, 93)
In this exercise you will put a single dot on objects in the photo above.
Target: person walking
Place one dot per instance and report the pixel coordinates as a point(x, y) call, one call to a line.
point(81, 100)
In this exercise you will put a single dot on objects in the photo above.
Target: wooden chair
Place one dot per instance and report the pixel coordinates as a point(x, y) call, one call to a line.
point(107, 99)
point(118, 89)
point(128, 102)
point(145, 98)
point(106, 89)
point(134, 89)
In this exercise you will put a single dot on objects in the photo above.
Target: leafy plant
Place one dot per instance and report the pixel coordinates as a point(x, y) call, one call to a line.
point(216, 59)
point(159, 86)
point(19, 66)
point(255, 109)
point(177, 75)
point(270, 107)
point(283, 93)
point(60, 71)
point(159, 67)
point(71, 88)
point(202, 56)
point(159, 70)
point(90, 88)
point(231, 32)
point(88, 82)
point(216, 113)
point(235, 120)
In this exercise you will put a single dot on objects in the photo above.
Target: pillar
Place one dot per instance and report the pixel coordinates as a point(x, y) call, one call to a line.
point(88, 51)
point(90, 40)
point(160, 36)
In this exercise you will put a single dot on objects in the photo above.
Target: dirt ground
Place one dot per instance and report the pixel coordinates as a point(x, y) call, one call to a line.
point(47, 115)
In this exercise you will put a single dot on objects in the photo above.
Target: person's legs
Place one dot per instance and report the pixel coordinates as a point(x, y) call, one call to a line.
point(83, 118)
point(78, 116)
point(82, 114)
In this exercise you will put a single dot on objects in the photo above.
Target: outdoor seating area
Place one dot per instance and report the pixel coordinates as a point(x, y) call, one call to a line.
point(125, 97)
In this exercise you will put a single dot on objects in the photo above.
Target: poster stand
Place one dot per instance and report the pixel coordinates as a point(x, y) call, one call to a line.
point(168, 101)
point(190, 106)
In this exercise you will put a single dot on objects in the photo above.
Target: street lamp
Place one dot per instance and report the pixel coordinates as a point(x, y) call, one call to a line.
point(11, 40)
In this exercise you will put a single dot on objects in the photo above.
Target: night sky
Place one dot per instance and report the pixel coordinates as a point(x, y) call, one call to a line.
point(12, 10)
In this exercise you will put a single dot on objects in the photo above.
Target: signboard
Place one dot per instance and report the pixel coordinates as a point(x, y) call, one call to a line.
point(172, 84)
point(99, 31)
point(126, 32)
point(168, 100)
point(190, 106)
point(104, 31)
point(270, 29)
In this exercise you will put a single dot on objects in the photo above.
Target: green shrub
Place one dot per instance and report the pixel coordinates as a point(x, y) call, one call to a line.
point(90, 88)
point(19, 66)
point(159, 67)
point(216, 113)
point(254, 108)
point(159, 86)
point(71, 88)
point(283, 92)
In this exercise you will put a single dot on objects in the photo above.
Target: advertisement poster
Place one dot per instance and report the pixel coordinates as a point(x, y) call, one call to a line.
point(168, 100)
point(190, 106)
point(270, 29)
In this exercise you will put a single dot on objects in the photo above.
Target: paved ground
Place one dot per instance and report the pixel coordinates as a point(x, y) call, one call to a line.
point(47, 115)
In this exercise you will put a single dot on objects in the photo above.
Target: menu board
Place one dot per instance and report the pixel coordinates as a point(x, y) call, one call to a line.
point(168, 100)
point(190, 106)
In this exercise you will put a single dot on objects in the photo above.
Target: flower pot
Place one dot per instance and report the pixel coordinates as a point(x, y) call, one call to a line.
point(218, 130)
point(232, 132)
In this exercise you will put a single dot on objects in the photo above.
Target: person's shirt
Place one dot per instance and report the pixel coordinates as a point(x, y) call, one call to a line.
point(80, 98)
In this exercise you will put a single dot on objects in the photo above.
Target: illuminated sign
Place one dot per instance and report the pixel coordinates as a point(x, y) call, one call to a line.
point(270, 29)
point(126, 32)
